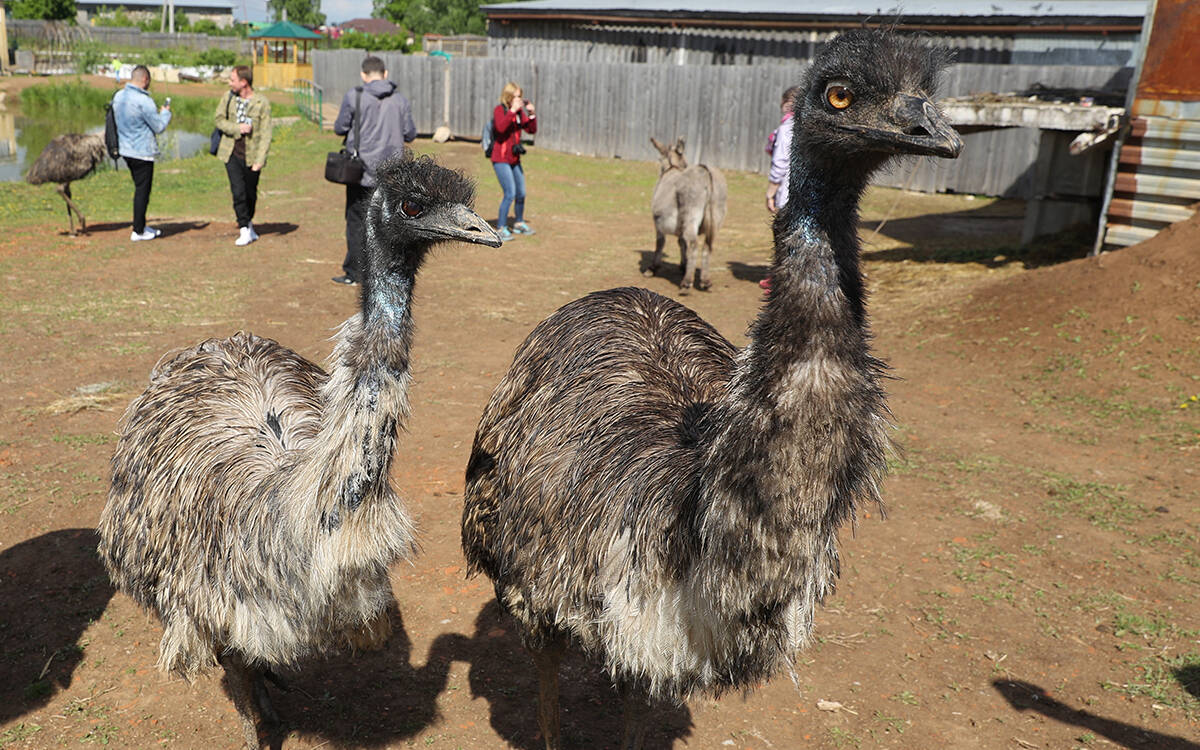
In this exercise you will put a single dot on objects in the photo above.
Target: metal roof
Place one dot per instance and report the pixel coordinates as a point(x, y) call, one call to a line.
point(222, 4)
point(759, 9)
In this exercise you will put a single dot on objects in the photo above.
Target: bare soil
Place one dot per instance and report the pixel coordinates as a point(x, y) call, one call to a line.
point(1034, 584)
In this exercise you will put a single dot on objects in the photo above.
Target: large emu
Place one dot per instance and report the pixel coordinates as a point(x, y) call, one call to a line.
point(688, 202)
point(641, 489)
point(67, 158)
point(251, 507)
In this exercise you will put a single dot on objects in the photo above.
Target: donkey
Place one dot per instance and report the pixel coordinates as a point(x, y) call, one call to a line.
point(687, 202)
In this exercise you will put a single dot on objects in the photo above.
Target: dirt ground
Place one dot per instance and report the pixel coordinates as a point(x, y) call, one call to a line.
point(1034, 584)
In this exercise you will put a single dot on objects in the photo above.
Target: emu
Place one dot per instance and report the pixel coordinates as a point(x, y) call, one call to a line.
point(251, 507)
point(67, 158)
point(642, 490)
point(688, 202)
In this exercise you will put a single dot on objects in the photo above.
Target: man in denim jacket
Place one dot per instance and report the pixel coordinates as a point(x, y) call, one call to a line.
point(137, 123)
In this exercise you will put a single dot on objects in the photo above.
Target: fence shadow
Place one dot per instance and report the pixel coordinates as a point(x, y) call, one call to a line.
point(52, 587)
point(502, 673)
point(1025, 696)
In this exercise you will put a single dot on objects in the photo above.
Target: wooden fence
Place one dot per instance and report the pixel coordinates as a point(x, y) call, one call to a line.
point(724, 112)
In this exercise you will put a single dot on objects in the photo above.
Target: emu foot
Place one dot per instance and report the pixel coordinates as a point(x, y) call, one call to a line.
point(649, 271)
point(704, 285)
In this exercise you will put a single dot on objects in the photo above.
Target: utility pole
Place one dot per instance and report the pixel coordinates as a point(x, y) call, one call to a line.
point(171, 22)
point(3, 40)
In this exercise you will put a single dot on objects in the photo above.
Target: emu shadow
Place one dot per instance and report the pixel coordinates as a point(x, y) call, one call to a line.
point(52, 587)
point(1025, 696)
point(367, 699)
point(276, 227)
point(503, 674)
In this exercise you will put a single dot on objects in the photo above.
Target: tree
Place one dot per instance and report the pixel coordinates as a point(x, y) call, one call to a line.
point(303, 12)
point(44, 10)
point(433, 16)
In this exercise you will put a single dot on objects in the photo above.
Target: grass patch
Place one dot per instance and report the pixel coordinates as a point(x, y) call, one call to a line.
point(1167, 680)
point(1102, 505)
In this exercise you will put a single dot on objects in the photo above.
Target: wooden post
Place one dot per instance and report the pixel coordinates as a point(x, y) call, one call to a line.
point(3, 40)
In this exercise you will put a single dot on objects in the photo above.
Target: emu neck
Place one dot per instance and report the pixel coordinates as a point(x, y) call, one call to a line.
point(366, 397)
point(800, 438)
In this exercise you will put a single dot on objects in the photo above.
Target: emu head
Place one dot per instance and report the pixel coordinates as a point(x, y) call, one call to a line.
point(670, 157)
point(867, 97)
point(417, 205)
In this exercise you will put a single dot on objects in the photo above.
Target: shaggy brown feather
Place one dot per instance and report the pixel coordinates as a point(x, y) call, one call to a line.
point(251, 506)
point(644, 491)
point(66, 158)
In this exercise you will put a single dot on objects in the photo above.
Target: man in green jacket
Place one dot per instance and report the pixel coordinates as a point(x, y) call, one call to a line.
point(244, 119)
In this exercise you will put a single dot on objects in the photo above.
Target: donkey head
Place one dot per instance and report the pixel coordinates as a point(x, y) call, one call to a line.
point(670, 157)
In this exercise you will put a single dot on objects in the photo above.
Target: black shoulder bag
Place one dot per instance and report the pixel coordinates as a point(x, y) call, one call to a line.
point(345, 167)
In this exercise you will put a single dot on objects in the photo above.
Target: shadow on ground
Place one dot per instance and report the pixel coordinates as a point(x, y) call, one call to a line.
point(503, 674)
point(367, 699)
point(52, 587)
point(1025, 696)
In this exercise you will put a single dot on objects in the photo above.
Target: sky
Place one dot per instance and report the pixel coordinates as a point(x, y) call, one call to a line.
point(335, 11)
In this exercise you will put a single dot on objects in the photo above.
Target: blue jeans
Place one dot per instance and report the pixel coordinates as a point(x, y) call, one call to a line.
point(512, 182)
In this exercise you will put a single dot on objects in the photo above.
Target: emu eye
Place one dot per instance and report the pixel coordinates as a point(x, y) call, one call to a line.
point(411, 208)
point(838, 96)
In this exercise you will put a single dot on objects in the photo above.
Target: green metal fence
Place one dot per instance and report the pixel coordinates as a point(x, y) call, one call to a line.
point(308, 99)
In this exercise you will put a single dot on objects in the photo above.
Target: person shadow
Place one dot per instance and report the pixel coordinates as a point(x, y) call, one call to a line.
point(1025, 696)
point(167, 228)
point(275, 227)
point(368, 698)
point(52, 587)
point(502, 673)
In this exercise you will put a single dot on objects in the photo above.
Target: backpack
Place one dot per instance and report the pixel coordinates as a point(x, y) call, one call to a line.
point(486, 139)
point(112, 143)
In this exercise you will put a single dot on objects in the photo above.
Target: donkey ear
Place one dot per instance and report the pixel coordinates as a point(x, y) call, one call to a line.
point(679, 146)
point(661, 148)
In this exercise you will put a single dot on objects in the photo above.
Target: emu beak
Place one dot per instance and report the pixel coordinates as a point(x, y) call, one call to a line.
point(461, 223)
point(917, 128)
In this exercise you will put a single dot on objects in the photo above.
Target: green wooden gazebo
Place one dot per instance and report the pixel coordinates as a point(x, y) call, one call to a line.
point(284, 54)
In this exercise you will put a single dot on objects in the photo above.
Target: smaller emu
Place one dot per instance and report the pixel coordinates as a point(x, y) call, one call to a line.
point(688, 202)
point(251, 507)
point(642, 490)
point(65, 159)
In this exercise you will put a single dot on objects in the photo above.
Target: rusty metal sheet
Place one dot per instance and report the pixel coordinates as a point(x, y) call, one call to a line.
point(1171, 67)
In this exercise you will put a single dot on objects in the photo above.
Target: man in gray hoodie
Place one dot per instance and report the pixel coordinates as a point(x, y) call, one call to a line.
point(385, 124)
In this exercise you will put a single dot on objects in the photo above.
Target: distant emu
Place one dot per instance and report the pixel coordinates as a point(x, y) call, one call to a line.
point(688, 202)
point(251, 507)
point(645, 492)
point(65, 159)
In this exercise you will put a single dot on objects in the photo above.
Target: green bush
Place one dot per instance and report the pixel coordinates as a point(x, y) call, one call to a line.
point(216, 56)
point(45, 10)
point(374, 42)
point(89, 56)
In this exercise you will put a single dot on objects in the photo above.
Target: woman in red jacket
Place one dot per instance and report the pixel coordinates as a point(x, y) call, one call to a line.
point(512, 115)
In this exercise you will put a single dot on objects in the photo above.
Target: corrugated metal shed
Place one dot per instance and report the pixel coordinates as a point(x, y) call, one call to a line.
point(1157, 169)
point(748, 9)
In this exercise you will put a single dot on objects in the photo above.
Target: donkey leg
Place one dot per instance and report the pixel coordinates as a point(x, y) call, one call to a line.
point(660, 240)
point(705, 282)
point(688, 255)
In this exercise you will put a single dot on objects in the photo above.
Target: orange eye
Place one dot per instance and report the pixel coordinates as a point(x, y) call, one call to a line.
point(839, 97)
point(411, 209)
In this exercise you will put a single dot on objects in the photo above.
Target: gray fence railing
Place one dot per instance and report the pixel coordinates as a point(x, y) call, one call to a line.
point(723, 111)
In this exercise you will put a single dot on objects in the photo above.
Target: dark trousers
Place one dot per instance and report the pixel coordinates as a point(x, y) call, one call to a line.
point(142, 173)
point(243, 181)
point(357, 200)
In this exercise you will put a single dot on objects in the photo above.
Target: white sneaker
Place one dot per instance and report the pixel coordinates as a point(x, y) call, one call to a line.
point(253, 233)
point(245, 237)
point(148, 234)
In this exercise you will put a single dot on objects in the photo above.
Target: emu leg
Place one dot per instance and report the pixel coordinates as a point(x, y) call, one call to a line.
point(65, 191)
point(659, 240)
point(547, 659)
point(248, 691)
point(637, 714)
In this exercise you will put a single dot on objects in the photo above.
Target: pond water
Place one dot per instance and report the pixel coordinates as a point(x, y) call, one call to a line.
point(23, 138)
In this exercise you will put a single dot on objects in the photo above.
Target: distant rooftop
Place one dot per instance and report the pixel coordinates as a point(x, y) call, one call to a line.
point(955, 11)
